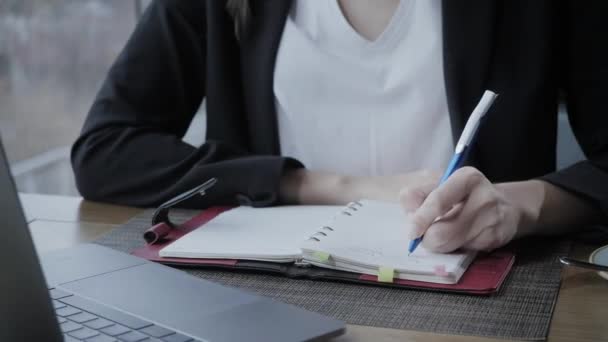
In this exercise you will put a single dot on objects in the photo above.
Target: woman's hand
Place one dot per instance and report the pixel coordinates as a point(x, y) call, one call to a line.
point(467, 211)
point(303, 186)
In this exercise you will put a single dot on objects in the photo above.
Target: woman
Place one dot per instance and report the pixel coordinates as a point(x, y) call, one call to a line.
point(367, 95)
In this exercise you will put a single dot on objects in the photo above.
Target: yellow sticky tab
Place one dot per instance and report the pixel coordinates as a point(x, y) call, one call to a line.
point(321, 256)
point(386, 274)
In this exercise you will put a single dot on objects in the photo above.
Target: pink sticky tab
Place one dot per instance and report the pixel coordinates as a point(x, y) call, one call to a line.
point(440, 271)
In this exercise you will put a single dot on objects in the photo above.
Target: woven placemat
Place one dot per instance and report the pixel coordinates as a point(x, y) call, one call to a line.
point(522, 309)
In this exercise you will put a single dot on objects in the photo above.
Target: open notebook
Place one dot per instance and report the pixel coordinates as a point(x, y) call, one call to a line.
point(367, 237)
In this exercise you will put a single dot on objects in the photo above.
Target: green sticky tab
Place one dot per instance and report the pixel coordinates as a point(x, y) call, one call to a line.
point(321, 256)
point(386, 274)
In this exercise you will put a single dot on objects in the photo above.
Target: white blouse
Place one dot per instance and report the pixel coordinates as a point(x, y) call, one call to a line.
point(358, 107)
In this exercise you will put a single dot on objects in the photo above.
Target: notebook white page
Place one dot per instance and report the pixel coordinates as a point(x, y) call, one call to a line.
point(267, 234)
point(375, 234)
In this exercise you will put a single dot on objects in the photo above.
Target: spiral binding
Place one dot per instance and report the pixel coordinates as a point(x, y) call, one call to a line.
point(348, 210)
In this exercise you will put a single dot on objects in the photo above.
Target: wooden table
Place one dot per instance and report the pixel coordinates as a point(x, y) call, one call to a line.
point(580, 315)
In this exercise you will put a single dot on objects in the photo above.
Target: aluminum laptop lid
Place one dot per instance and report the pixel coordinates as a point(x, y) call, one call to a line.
point(26, 311)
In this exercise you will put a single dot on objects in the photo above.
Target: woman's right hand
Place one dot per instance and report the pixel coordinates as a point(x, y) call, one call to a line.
point(303, 186)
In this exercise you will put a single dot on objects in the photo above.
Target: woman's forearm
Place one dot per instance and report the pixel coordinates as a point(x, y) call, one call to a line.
point(303, 186)
point(548, 209)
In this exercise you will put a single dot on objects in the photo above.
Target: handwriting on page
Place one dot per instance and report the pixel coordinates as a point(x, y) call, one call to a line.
point(376, 235)
point(364, 251)
point(381, 256)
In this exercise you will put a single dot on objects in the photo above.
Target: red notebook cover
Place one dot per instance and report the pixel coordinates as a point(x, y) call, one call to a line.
point(485, 275)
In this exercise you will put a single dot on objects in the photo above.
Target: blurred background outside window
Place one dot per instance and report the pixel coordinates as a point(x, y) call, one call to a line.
point(54, 54)
point(53, 57)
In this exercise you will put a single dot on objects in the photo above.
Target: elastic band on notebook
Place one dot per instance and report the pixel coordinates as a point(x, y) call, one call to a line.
point(386, 274)
point(321, 256)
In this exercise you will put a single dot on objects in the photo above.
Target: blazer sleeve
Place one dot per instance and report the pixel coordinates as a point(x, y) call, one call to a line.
point(130, 150)
point(585, 82)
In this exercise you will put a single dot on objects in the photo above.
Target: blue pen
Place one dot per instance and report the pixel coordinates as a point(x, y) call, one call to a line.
point(463, 143)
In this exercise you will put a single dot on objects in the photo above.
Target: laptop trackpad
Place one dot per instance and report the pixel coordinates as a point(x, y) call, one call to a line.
point(200, 308)
point(162, 295)
point(83, 261)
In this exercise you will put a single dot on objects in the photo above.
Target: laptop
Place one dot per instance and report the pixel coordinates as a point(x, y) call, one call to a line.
point(93, 293)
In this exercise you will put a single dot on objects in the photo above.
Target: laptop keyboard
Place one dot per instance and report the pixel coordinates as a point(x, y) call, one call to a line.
point(84, 320)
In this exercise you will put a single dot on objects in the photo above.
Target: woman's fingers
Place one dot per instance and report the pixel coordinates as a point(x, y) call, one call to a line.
point(458, 228)
point(412, 197)
point(442, 199)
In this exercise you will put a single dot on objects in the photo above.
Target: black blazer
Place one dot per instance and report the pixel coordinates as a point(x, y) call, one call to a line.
point(130, 150)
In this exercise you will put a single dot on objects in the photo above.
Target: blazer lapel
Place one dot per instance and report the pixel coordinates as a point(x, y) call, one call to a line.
point(259, 48)
point(468, 32)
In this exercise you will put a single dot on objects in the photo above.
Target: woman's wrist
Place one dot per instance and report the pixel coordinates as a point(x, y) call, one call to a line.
point(547, 209)
point(303, 186)
point(289, 186)
point(527, 198)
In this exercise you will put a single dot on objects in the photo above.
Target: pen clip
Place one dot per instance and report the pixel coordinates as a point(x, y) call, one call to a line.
point(161, 214)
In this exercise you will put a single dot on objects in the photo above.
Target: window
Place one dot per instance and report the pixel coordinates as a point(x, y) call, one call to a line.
point(53, 58)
